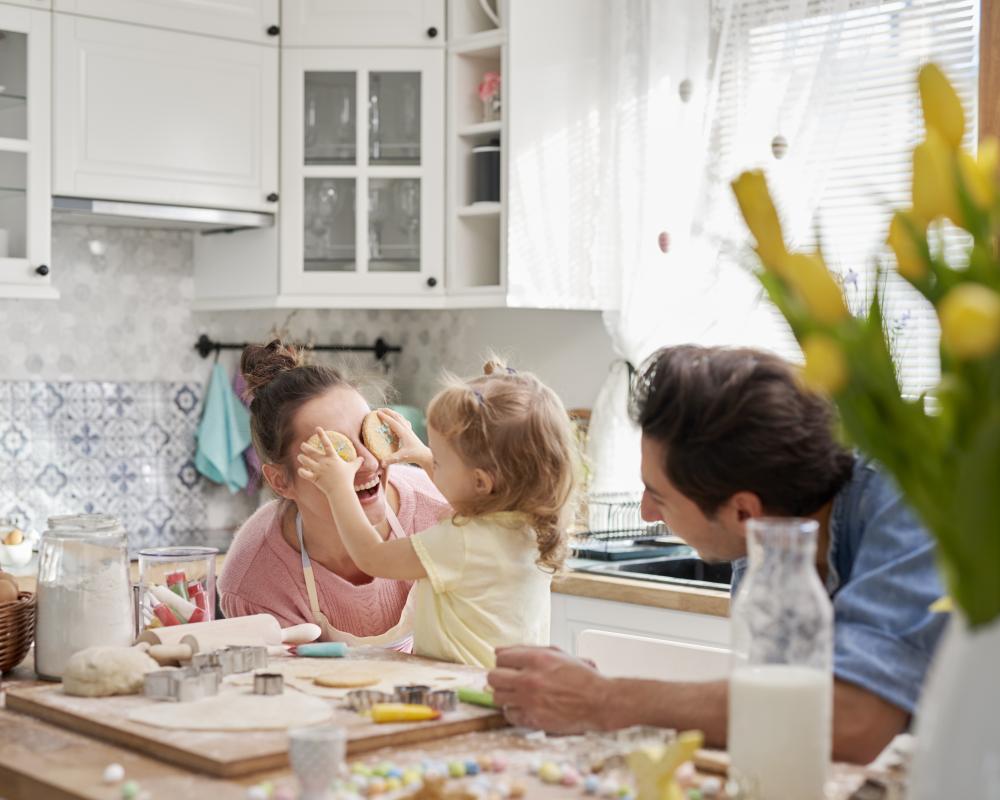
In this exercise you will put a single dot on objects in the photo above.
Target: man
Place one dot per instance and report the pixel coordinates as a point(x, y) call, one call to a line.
point(728, 435)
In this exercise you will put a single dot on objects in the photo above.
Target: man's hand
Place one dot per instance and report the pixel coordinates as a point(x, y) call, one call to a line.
point(325, 468)
point(411, 450)
point(545, 688)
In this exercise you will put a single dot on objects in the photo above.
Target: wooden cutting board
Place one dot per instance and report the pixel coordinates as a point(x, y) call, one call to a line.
point(233, 754)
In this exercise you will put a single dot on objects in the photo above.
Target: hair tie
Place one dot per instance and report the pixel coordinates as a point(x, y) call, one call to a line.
point(479, 397)
point(511, 371)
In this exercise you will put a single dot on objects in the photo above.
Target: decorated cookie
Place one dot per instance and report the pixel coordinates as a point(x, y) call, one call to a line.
point(378, 437)
point(343, 445)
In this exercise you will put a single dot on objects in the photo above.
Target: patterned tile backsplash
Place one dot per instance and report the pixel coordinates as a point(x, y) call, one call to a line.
point(121, 448)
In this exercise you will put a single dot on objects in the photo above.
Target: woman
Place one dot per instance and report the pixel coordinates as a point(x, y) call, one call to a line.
point(288, 559)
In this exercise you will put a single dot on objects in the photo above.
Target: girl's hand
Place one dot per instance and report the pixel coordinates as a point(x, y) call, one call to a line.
point(326, 469)
point(411, 449)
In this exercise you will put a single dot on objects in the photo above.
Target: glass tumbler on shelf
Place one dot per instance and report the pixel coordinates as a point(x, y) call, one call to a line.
point(84, 592)
point(781, 687)
point(176, 585)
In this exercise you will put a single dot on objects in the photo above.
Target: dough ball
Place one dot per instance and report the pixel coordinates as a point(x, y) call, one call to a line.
point(343, 445)
point(378, 436)
point(104, 671)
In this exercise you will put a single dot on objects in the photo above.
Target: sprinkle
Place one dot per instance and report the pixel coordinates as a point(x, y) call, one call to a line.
point(257, 793)
point(360, 768)
point(570, 777)
point(393, 783)
point(550, 772)
point(471, 767)
point(113, 773)
point(517, 790)
point(395, 772)
point(383, 769)
point(711, 787)
point(130, 790)
point(456, 769)
point(534, 765)
point(411, 777)
point(591, 784)
point(499, 763)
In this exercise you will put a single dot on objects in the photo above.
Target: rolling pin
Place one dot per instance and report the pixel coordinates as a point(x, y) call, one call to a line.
point(257, 629)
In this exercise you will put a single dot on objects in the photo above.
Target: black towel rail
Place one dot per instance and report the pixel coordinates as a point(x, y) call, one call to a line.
point(206, 346)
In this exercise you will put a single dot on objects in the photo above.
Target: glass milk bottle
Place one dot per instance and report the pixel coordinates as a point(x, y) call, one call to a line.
point(781, 687)
point(84, 590)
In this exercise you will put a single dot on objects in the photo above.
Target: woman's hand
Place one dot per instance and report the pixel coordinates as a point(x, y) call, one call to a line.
point(333, 475)
point(411, 449)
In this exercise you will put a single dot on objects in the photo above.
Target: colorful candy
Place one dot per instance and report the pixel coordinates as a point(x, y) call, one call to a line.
point(550, 772)
point(456, 769)
point(130, 790)
point(113, 773)
point(591, 784)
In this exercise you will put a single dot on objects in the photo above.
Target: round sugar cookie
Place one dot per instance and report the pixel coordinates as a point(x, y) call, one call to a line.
point(378, 436)
point(341, 444)
point(347, 679)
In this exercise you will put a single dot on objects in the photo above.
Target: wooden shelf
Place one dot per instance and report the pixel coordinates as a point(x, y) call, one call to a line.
point(480, 210)
point(482, 45)
point(481, 128)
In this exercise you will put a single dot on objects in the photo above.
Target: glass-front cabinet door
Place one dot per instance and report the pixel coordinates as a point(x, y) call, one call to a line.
point(25, 42)
point(362, 173)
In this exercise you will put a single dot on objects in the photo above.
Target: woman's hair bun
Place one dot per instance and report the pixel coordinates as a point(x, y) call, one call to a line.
point(495, 366)
point(261, 364)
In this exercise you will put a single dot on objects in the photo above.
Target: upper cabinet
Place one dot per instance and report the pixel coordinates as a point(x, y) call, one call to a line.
point(25, 50)
point(362, 23)
point(149, 115)
point(246, 20)
point(362, 176)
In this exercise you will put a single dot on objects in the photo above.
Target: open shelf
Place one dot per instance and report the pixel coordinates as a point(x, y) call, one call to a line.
point(483, 209)
point(480, 45)
point(481, 129)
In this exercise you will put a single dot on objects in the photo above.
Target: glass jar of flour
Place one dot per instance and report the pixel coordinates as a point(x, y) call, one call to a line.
point(84, 591)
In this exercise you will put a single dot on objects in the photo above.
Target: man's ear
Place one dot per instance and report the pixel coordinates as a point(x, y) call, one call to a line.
point(483, 481)
point(744, 506)
point(277, 479)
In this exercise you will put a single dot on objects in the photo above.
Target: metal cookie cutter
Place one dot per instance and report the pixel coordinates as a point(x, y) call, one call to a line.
point(363, 699)
point(414, 693)
point(268, 683)
point(182, 685)
point(232, 660)
point(442, 699)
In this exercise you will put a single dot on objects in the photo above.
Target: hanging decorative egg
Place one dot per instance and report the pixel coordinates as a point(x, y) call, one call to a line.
point(684, 89)
point(663, 240)
point(779, 146)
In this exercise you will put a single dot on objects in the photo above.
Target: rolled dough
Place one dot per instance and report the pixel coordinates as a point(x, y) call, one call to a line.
point(104, 671)
point(237, 711)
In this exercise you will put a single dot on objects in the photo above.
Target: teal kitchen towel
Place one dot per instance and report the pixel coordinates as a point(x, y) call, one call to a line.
point(223, 434)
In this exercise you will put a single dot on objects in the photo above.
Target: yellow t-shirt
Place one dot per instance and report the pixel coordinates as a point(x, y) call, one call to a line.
point(483, 589)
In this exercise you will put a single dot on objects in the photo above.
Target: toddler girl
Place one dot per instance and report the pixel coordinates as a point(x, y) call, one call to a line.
point(502, 453)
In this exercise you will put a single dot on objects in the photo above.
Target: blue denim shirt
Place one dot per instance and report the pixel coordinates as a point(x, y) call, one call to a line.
point(882, 578)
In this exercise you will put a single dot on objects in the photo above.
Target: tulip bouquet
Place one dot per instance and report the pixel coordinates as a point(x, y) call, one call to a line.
point(944, 455)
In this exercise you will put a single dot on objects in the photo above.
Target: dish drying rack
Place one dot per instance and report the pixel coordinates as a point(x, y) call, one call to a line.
point(615, 529)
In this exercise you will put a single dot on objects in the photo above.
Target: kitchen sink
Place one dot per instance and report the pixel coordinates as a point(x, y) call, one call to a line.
point(685, 571)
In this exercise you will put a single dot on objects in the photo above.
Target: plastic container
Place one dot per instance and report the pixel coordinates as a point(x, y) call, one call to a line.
point(176, 585)
point(486, 158)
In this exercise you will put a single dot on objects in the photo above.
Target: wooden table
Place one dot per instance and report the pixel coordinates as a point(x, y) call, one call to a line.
point(39, 761)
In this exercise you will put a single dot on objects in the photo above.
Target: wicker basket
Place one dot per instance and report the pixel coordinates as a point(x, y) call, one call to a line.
point(17, 630)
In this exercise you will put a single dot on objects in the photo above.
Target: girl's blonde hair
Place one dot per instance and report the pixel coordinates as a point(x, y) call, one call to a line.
point(515, 428)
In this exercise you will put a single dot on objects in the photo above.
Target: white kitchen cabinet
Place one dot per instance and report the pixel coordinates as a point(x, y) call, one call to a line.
point(572, 614)
point(25, 129)
point(149, 115)
point(362, 23)
point(362, 177)
point(246, 20)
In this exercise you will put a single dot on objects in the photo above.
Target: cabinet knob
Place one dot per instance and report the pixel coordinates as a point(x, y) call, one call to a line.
point(274, 30)
point(273, 197)
point(42, 269)
point(432, 282)
point(432, 33)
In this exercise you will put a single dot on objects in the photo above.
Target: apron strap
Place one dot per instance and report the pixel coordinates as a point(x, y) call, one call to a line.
point(307, 570)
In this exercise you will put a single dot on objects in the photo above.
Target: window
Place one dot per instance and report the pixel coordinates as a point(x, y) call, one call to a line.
point(836, 81)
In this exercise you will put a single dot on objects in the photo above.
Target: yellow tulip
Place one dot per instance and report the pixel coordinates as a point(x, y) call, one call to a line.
point(934, 191)
point(813, 282)
point(941, 104)
point(909, 260)
point(970, 321)
point(761, 217)
point(825, 369)
point(980, 174)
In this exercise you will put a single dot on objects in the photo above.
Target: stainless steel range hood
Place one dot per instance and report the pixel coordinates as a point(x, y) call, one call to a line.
point(151, 215)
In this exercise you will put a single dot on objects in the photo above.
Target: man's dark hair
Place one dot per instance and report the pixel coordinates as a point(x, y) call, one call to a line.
point(735, 419)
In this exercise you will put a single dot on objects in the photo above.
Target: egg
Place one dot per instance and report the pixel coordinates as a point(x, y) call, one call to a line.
point(14, 537)
point(8, 592)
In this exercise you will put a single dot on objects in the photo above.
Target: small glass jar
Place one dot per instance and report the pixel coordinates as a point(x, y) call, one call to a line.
point(176, 585)
point(84, 591)
point(781, 687)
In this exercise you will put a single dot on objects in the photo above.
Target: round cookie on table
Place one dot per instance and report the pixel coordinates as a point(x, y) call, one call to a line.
point(343, 446)
point(378, 436)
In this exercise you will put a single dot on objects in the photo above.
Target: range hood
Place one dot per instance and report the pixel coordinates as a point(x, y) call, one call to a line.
point(153, 215)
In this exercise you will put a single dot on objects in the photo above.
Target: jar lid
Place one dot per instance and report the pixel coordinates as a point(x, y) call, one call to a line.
point(84, 525)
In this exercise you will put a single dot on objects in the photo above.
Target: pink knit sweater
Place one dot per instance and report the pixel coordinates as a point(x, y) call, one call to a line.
point(263, 573)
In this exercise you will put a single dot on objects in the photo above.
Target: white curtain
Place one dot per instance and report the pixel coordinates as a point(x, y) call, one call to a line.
point(756, 70)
